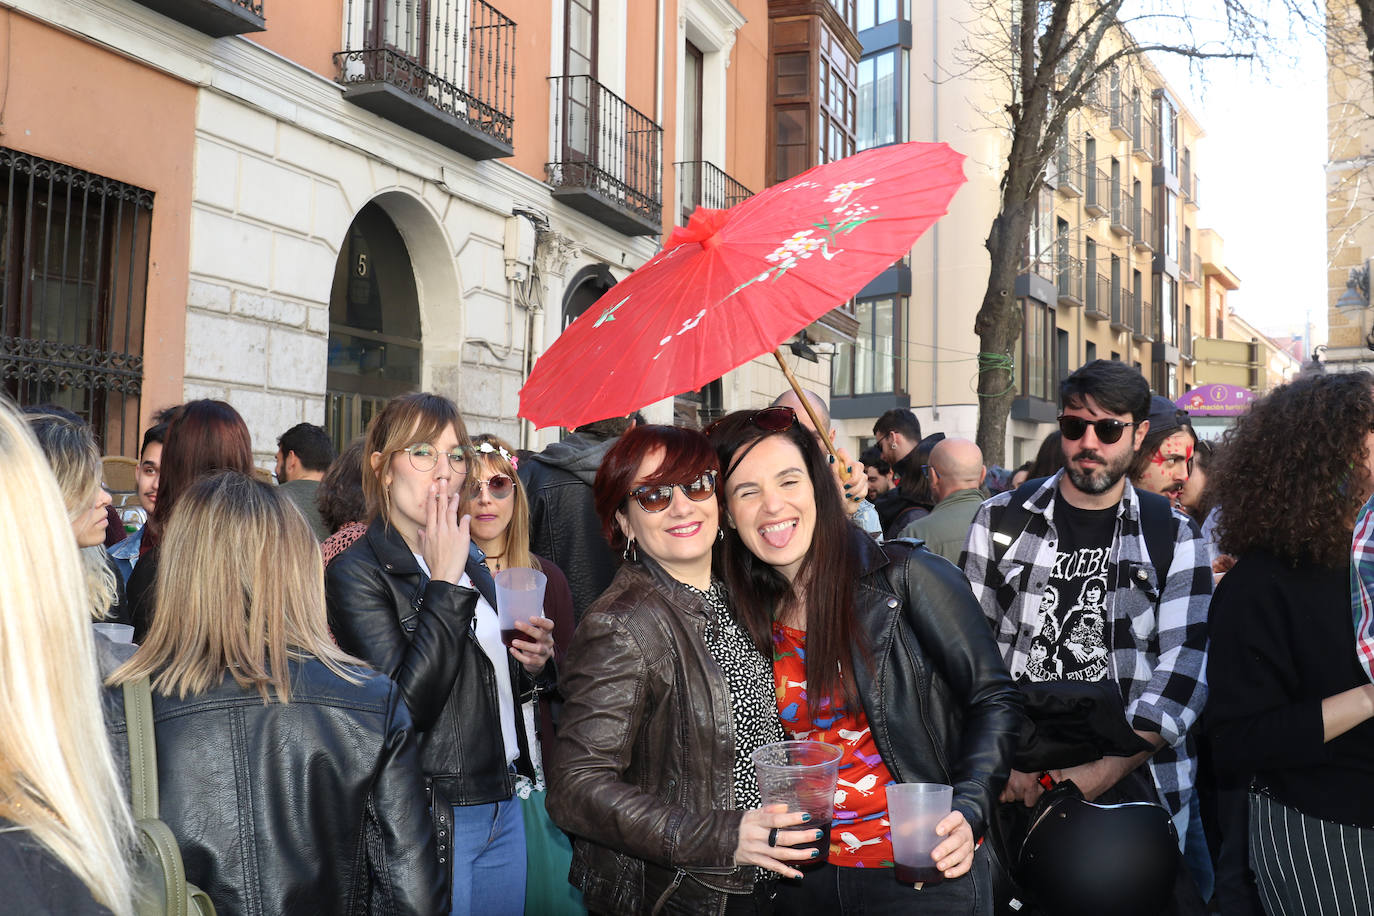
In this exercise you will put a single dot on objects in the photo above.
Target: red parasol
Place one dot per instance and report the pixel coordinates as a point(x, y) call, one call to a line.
point(734, 284)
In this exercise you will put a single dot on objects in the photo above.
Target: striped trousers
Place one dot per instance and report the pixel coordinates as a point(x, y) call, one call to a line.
point(1304, 865)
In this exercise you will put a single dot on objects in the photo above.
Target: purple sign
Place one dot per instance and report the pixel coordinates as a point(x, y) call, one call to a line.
point(1217, 401)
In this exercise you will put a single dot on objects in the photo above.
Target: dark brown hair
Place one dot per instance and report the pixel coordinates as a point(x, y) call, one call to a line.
point(1291, 474)
point(204, 437)
point(340, 495)
point(687, 454)
point(828, 576)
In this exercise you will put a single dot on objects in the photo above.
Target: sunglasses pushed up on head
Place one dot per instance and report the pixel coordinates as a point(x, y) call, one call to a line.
point(1108, 430)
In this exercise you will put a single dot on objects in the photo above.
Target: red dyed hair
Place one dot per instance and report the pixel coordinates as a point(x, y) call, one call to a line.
point(206, 436)
point(687, 454)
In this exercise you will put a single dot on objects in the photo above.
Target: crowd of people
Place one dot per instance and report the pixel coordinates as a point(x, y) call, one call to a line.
point(1133, 659)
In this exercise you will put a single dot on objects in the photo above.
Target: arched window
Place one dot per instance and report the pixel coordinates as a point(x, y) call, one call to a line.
point(374, 325)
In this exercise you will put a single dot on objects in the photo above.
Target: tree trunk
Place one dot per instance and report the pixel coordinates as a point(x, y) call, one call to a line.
point(998, 326)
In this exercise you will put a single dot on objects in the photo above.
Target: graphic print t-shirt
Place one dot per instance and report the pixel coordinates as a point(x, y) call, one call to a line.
point(1070, 641)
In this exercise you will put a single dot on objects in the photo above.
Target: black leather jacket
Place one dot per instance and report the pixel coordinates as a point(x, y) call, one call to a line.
point(938, 697)
point(643, 774)
point(564, 525)
point(313, 806)
point(386, 611)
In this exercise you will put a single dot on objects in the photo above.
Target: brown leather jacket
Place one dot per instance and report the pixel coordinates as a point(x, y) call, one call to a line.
point(645, 749)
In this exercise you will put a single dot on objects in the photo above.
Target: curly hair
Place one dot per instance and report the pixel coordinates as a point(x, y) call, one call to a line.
point(1292, 472)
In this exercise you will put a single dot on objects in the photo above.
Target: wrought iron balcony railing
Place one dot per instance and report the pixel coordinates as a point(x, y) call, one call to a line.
point(1143, 321)
point(701, 184)
point(443, 68)
point(608, 157)
point(1069, 166)
point(1141, 224)
point(1099, 291)
point(1120, 114)
point(1123, 304)
point(1096, 201)
point(1070, 280)
point(1143, 142)
point(215, 18)
point(1121, 210)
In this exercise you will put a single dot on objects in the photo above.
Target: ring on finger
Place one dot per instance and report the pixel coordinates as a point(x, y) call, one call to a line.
point(773, 837)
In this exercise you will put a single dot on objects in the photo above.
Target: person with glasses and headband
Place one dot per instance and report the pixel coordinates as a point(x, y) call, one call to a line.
point(413, 599)
point(1038, 557)
point(877, 649)
point(667, 698)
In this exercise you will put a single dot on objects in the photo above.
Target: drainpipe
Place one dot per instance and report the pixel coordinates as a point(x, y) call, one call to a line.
point(935, 238)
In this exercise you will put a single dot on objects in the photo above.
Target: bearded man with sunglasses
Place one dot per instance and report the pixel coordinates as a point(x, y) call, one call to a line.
point(1065, 570)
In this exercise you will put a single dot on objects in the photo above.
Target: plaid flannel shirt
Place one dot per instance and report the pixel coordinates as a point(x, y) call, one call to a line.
point(1362, 586)
point(1158, 638)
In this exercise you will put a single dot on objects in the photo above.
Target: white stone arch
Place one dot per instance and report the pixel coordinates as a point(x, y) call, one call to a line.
point(436, 283)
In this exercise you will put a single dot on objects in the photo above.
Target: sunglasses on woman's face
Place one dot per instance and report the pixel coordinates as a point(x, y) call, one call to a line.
point(499, 486)
point(656, 499)
point(1108, 430)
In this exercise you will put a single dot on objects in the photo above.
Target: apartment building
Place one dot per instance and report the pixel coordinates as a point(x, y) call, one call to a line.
point(308, 207)
point(1349, 200)
point(1113, 266)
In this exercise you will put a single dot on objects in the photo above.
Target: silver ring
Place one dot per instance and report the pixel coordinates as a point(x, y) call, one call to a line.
point(773, 837)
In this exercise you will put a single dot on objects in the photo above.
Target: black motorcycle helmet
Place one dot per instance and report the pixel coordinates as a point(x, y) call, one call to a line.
point(1082, 859)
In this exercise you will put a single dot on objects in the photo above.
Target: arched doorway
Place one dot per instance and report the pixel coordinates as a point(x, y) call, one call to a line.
point(587, 285)
point(374, 325)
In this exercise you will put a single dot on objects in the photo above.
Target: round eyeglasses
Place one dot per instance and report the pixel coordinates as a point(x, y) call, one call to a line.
point(499, 486)
point(658, 498)
point(424, 457)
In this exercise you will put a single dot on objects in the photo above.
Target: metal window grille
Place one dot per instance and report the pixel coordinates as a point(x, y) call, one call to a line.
point(73, 285)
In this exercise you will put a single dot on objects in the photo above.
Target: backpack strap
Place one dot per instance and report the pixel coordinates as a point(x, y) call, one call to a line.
point(1009, 521)
point(138, 714)
point(1159, 526)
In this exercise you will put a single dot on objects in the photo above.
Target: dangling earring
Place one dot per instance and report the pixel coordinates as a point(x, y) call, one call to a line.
point(630, 554)
point(720, 534)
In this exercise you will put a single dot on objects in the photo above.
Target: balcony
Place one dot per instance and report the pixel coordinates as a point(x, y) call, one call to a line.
point(1121, 210)
point(442, 68)
point(1123, 304)
point(1143, 143)
point(216, 18)
point(1070, 281)
point(1193, 271)
point(1193, 192)
point(1098, 303)
point(1096, 201)
point(1120, 116)
point(1069, 165)
point(1142, 321)
point(1141, 225)
point(609, 163)
point(701, 184)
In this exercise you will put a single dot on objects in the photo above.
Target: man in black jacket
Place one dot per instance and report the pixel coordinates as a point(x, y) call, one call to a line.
point(564, 526)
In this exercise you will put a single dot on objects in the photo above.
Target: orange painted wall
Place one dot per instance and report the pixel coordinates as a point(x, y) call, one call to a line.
point(746, 87)
point(308, 32)
point(532, 93)
point(97, 111)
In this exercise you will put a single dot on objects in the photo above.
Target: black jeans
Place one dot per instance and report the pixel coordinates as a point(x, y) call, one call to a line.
point(832, 889)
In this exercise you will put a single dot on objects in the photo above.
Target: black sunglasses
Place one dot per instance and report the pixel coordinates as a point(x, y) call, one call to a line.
point(656, 499)
point(769, 419)
point(1108, 430)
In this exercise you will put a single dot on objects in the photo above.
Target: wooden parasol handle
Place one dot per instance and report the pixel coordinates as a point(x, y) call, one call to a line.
point(822, 433)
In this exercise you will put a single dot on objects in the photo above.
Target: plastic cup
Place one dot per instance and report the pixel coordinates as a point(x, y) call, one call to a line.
point(801, 775)
point(914, 810)
point(519, 596)
point(116, 632)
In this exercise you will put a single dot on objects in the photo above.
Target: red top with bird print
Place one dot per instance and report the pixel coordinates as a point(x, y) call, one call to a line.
point(860, 836)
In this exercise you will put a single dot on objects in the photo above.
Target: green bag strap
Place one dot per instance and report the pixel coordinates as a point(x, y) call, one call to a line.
point(138, 715)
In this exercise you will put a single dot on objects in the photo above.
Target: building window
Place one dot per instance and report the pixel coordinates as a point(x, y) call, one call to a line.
point(882, 114)
point(1166, 126)
point(872, 364)
point(1090, 352)
point(1166, 380)
point(1166, 223)
point(1037, 351)
point(812, 95)
point(880, 12)
point(73, 285)
point(1166, 304)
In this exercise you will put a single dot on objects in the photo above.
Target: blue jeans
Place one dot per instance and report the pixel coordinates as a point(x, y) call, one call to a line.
point(489, 859)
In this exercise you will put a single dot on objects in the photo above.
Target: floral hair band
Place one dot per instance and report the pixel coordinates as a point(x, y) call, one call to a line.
point(486, 448)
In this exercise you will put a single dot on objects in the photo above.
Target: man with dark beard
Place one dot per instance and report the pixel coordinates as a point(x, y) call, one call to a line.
point(1038, 559)
point(1165, 457)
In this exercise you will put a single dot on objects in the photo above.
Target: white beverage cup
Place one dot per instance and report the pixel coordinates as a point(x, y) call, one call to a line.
point(914, 810)
point(519, 596)
point(116, 632)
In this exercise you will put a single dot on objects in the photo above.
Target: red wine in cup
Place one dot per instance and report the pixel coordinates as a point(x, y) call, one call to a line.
point(923, 874)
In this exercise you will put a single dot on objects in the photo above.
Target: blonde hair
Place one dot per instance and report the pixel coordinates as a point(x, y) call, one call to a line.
point(405, 420)
point(240, 587)
point(75, 460)
point(57, 777)
point(501, 460)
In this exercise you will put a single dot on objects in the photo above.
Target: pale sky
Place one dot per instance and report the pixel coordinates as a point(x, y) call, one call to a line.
point(1262, 180)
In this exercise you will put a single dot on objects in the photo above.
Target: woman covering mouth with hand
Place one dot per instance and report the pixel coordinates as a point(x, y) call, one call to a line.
point(880, 650)
point(667, 697)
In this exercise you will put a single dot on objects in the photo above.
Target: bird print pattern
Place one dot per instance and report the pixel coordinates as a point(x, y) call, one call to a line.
point(861, 836)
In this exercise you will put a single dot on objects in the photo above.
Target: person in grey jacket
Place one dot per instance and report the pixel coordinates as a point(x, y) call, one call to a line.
point(956, 480)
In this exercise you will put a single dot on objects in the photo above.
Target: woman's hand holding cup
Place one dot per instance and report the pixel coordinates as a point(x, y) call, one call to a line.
point(760, 825)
